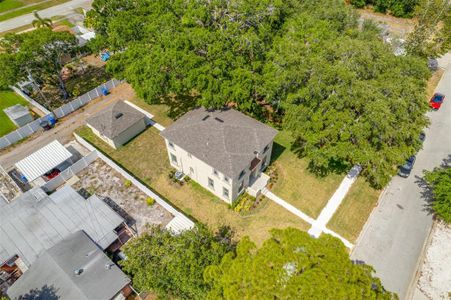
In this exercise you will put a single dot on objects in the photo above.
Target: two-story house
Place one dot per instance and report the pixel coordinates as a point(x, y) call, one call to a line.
point(223, 150)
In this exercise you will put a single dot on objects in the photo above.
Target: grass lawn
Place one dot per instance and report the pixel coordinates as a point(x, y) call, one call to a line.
point(355, 209)
point(160, 111)
point(28, 9)
point(295, 184)
point(7, 99)
point(146, 157)
point(6, 5)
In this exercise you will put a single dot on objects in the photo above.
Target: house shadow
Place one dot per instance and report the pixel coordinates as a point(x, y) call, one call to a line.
point(277, 150)
point(44, 293)
point(426, 191)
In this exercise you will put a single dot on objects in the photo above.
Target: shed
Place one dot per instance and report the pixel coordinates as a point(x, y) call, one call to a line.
point(117, 124)
point(19, 115)
point(43, 160)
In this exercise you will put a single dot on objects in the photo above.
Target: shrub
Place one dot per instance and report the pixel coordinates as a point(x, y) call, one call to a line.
point(127, 183)
point(244, 203)
point(150, 201)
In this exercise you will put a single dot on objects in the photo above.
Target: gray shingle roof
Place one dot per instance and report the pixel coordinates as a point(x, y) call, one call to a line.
point(52, 275)
point(224, 139)
point(115, 119)
point(16, 111)
point(35, 222)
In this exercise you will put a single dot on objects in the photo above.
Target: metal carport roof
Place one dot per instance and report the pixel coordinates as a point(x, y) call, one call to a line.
point(43, 160)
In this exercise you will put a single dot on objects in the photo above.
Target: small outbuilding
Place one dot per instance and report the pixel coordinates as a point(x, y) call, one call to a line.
point(117, 124)
point(19, 115)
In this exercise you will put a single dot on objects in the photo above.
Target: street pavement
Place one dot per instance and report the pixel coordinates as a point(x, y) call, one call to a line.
point(57, 10)
point(393, 238)
point(64, 129)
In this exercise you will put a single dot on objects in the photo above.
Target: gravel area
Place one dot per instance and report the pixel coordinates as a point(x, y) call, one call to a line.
point(129, 201)
point(8, 189)
point(435, 276)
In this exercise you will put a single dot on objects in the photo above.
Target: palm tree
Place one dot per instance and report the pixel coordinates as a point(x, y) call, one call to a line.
point(41, 22)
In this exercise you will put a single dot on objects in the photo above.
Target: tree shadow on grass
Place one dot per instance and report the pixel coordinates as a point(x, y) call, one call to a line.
point(179, 105)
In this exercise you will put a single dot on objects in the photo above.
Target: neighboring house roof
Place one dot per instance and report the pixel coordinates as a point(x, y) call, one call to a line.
point(43, 160)
point(224, 139)
point(35, 221)
point(115, 119)
point(16, 111)
point(53, 276)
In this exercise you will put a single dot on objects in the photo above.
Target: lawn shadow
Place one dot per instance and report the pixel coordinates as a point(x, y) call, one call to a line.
point(277, 150)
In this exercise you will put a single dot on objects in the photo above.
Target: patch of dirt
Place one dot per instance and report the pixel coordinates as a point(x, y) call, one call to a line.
point(399, 27)
point(435, 275)
point(433, 82)
point(125, 198)
point(94, 60)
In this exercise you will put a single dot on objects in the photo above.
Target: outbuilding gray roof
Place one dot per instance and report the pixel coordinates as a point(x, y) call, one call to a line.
point(224, 139)
point(115, 119)
point(35, 222)
point(52, 275)
point(16, 111)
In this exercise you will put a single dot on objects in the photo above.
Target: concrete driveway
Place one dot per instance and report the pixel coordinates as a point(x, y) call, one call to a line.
point(393, 237)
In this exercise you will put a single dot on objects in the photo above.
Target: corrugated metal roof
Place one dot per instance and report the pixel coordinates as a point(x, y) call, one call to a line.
point(43, 160)
point(32, 223)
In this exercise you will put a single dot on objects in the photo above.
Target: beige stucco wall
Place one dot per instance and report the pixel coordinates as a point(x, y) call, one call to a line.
point(202, 171)
point(130, 133)
point(124, 137)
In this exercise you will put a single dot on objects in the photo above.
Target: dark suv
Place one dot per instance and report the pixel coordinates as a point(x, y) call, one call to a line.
point(406, 169)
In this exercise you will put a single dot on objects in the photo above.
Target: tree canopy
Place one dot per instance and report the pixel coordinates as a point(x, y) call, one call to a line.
point(293, 265)
point(440, 182)
point(173, 265)
point(397, 8)
point(341, 92)
point(38, 53)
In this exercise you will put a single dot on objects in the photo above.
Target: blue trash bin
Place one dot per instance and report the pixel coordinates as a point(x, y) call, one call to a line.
point(105, 91)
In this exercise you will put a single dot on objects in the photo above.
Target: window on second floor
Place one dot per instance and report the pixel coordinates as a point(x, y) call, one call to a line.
point(215, 172)
point(211, 183)
point(266, 148)
point(242, 174)
point(226, 179)
point(173, 159)
point(171, 145)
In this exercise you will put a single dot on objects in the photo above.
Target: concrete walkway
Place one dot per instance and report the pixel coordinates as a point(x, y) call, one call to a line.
point(328, 211)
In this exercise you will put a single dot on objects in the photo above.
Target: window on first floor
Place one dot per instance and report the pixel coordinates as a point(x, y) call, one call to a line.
point(241, 186)
point(174, 159)
point(225, 192)
point(211, 183)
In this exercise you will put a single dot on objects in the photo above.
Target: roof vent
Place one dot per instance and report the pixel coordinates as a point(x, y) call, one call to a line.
point(206, 117)
point(78, 272)
point(118, 115)
point(219, 120)
point(108, 266)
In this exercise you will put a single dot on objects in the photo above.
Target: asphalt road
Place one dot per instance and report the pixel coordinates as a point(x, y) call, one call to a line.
point(393, 237)
point(57, 10)
point(64, 129)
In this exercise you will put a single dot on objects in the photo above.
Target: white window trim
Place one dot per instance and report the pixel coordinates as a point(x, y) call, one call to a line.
point(212, 187)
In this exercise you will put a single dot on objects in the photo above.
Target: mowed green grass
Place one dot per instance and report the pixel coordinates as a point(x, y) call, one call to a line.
point(6, 5)
point(7, 99)
point(295, 183)
point(29, 9)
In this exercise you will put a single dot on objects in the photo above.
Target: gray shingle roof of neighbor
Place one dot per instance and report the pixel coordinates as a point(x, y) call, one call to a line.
point(16, 111)
point(35, 221)
point(53, 276)
point(224, 139)
point(115, 119)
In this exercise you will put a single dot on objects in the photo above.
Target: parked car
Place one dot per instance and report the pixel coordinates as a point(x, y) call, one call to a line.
point(422, 137)
point(52, 174)
point(436, 101)
point(406, 169)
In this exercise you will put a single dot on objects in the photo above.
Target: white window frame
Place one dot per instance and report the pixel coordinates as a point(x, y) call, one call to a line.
point(212, 185)
point(171, 145)
point(224, 194)
point(176, 162)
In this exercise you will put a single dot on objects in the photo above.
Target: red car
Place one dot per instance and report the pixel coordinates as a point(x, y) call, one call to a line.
point(52, 174)
point(436, 101)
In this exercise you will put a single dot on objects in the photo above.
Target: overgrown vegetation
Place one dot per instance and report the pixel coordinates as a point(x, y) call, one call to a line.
point(440, 182)
point(292, 265)
point(173, 265)
point(397, 8)
point(344, 95)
